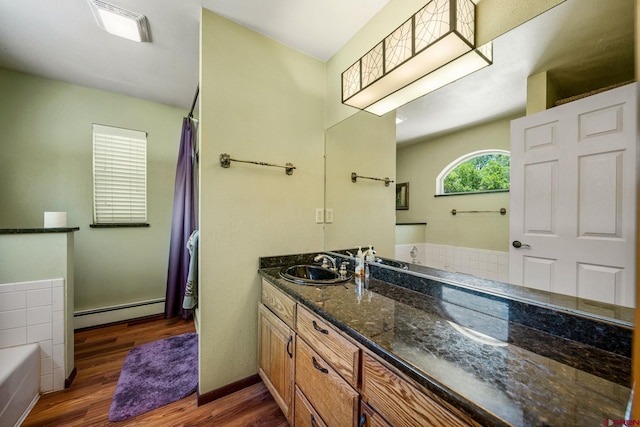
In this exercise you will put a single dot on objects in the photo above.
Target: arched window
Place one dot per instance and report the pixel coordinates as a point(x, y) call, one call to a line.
point(477, 172)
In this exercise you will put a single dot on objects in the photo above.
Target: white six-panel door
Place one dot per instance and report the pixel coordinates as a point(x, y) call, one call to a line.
point(573, 198)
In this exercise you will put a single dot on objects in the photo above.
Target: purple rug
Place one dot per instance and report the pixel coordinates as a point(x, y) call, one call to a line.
point(156, 374)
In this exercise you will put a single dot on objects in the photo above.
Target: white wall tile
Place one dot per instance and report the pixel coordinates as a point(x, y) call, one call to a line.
point(46, 383)
point(37, 315)
point(37, 284)
point(58, 298)
point(7, 287)
point(58, 356)
point(46, 366)
point(13, 319)
point(13, 337)
point(477, 262)
point(13, 301)
point(36, 333)
point(46, 348)
point(58, 332)
point(58, 379)
point(33, 312)
point(39, 297)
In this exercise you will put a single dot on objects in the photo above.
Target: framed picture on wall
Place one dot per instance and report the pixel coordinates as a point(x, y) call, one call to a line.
point(402, 196)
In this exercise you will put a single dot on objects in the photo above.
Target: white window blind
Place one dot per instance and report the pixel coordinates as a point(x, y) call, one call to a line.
point(119, 176)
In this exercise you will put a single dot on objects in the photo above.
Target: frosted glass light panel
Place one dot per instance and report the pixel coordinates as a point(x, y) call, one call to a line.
point(437, 34)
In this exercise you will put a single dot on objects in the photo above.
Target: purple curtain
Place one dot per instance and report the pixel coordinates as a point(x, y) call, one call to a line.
point(183, 223)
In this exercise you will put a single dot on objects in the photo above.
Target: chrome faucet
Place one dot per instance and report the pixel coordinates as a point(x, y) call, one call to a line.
point(325, 264)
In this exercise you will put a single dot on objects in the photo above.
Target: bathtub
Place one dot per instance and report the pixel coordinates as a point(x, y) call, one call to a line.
point(19, 383)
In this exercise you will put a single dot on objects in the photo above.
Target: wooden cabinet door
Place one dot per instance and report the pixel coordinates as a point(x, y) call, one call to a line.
point(276, 362)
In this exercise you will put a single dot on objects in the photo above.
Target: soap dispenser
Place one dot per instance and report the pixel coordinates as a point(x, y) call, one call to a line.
point(359, 271)
point(369, 257)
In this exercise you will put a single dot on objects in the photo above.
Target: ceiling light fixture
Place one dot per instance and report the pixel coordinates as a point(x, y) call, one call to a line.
point(433, 48)
point(120, 22)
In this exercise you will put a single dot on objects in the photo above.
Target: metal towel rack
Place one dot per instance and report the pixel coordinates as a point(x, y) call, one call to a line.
point(502, 211)
point(355, 176)
point(225, 162)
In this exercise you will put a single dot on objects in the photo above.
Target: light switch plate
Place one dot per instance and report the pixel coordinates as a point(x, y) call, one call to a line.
point(319, 216)
point(328, 216)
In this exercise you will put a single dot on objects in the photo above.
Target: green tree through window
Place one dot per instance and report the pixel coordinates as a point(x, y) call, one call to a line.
point(482, 173)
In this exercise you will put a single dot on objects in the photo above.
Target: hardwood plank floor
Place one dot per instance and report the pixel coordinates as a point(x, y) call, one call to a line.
point(99, 356)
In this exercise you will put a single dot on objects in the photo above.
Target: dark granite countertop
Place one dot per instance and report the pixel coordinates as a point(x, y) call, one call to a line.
point(37, 230)
point(607, 312)
point(474, 352)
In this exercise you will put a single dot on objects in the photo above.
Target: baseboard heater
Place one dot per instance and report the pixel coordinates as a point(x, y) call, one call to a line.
point(117, 313)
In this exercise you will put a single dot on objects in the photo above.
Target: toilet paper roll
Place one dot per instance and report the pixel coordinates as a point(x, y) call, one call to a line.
point(55, 219)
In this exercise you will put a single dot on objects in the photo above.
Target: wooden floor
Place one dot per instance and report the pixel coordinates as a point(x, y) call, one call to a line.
point(99, 356)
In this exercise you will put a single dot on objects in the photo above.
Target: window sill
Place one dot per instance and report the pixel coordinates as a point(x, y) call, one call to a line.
point(120, 225)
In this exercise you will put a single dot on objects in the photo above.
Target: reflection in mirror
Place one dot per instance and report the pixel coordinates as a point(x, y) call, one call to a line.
point(364, 212)
point(576, 52)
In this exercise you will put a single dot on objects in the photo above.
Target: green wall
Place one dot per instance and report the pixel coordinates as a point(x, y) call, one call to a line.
point(46, 165)
point(364, 211)
point(261, 101)
point(420, 163)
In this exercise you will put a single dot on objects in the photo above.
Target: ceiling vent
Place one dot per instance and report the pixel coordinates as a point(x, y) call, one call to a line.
point(120, 22)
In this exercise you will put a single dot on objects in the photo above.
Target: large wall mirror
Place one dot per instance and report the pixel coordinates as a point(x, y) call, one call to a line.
point(579, 50)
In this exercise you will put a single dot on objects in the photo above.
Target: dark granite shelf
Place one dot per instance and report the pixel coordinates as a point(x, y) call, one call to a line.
point(37, 230)
point(502, 362)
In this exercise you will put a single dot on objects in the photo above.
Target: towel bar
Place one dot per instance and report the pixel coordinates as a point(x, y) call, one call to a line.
point(355, 176)
point(225, 162)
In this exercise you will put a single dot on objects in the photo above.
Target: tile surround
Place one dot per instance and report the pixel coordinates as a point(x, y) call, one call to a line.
point(492, 265)
point(33, 312)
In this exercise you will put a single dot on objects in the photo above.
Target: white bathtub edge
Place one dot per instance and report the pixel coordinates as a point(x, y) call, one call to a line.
point(28, 410)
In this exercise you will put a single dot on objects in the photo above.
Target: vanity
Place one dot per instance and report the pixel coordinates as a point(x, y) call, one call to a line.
point(407, 348)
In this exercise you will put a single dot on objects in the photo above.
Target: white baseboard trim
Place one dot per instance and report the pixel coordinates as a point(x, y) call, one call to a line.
point(106, 315)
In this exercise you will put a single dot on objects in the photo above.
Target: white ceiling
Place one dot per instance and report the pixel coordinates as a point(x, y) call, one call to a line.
point(59, 39)
point(584, 44)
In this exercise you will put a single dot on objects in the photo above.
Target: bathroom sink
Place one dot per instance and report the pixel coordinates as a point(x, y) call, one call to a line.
point(312, 275)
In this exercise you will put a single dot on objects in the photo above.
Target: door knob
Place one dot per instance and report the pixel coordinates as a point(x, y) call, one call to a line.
point(518, 244)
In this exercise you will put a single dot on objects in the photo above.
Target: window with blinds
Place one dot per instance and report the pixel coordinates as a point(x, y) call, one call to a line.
point(119, 176)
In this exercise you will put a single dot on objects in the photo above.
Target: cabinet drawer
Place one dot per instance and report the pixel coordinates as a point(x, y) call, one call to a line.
point(399, 402)
point(333, 347)
point(331, 396)
point(305, 415)
point(278, 302)
point(370, 418)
